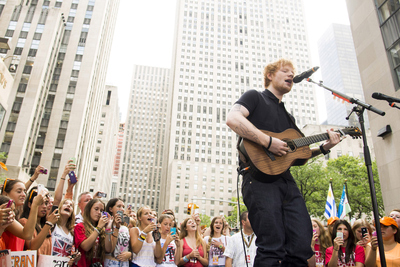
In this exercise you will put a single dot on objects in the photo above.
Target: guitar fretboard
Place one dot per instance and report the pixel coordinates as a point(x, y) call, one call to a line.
point(306, 141)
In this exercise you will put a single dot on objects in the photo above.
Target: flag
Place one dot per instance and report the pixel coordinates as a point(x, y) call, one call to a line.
point(330, 206)
point(344, 206)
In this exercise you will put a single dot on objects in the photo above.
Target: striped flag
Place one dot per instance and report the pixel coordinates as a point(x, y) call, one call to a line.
point(344, 206)
point(330, 206)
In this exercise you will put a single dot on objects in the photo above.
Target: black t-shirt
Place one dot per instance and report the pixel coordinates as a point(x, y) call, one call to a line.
point(266, 113)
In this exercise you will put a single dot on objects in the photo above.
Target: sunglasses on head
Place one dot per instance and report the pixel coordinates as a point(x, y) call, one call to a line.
point(30, 196)
point(5, 182)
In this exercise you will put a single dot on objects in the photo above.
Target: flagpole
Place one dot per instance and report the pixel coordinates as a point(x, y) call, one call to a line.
point(348, 199)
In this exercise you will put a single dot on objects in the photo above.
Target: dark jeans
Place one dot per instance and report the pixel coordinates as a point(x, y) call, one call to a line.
point(280, 220)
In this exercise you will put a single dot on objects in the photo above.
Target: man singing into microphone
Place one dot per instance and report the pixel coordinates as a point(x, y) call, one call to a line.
point(277, 211)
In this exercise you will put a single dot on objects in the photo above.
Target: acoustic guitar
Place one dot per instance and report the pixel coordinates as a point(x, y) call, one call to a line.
point(298, 154)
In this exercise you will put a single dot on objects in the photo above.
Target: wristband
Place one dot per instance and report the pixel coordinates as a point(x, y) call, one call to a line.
point(141, 240)
point(97, 230)
point(108, 230)
point(323, 151)
point(143, 233)
point(49, 224)
point(142, 237)
point(117, 227)
point(108, 233)
point(185, 259)
point(270, 142)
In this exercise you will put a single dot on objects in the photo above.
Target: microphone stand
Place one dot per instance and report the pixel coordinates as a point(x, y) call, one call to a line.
point(393, 105)
point(359, 110)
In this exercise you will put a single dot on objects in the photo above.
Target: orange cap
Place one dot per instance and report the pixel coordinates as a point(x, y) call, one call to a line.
point(332, 220)
point(387, 221)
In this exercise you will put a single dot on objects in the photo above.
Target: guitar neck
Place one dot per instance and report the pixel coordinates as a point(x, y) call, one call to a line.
point(306, 141)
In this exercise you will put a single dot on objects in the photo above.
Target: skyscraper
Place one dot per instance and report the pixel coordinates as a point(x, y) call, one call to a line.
point(339, 70)
point(144, 139)
point(220, 50)
point(60, 51)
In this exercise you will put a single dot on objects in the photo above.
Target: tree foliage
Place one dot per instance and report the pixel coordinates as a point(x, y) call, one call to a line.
point(205, 219)
point(3, 157)
point(313, 181)
point(232, 218)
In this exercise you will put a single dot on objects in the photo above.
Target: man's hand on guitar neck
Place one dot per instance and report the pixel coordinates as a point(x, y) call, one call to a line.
point(334, 139)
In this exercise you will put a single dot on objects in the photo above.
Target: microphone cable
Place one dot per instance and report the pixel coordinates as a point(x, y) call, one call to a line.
point(240, 172)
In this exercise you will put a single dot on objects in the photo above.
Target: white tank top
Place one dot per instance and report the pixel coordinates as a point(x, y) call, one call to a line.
point(145, 257)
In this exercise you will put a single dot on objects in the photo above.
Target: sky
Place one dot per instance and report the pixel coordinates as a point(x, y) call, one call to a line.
point(144, 36)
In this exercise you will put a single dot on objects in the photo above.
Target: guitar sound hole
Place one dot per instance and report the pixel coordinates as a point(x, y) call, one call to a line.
point(291, 146)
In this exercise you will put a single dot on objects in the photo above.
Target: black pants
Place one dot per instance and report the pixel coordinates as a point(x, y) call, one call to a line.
point(280, 220)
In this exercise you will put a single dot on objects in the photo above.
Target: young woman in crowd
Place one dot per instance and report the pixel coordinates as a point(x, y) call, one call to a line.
point(344, 251)
point(7, 217)
point(395, 215)
point(216, 242)
point(41, 240)
point(62, 237)
point(168, 247)
point(90, 234)
point(192, 250)
point(391, 240)
point(15, 234)
point(319, 243)
point(117, 236)
point(361, 240)
point(142, 241)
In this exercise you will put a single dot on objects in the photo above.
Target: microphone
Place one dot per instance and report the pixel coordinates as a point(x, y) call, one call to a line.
point(304, 75)
point(385, 97)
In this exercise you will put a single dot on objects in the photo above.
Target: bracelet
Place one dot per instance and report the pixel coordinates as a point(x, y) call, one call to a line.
point(185, 259)
point(117, 227)
point(143, 233)
point(335, 249)
point(142, 237)
point(115, 236)
point(97, 230)
point(62, 178)
point(108, 233)
point(49, 224)
point(323, 151)
point(140, 240)
point(270, 142)
point(108, 230)
point(31, 180)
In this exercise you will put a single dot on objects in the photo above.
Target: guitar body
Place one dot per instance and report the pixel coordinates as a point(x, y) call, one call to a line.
point(295, 156)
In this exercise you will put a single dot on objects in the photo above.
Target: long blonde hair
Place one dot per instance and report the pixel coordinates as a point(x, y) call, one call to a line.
point(71, 220)
point(89, 225)
point(184, 233)
point(212, 229)
point(324, 239)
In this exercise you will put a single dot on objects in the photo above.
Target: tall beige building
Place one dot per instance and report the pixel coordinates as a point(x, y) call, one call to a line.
point(60, 51)
point(101, 178)
point(376, 35)
point(220, 51)
point(144, 139)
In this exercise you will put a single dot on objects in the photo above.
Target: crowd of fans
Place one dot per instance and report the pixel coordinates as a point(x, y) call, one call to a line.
point(112, 234)
point(343, 245)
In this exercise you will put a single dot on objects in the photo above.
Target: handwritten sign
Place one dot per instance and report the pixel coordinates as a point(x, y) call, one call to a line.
point(23, 258)
point(53, 261)
point(5, 258)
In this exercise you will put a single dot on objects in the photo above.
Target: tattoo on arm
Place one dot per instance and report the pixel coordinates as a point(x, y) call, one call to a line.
point(236, 108)
point(247, 133)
